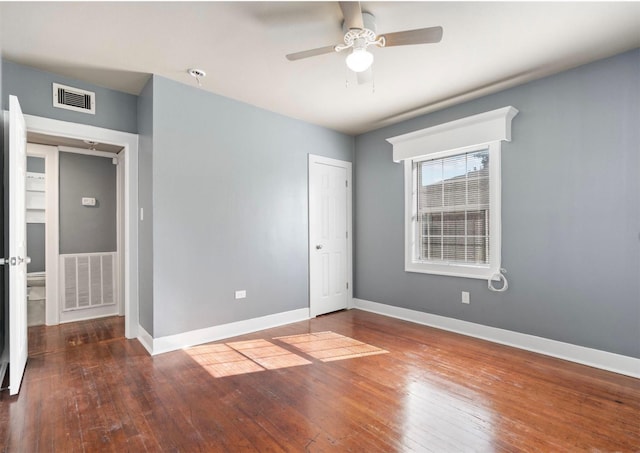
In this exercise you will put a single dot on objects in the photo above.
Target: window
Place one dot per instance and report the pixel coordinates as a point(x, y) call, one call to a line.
point(453, 207)
point(453, 212)
point(452, 195)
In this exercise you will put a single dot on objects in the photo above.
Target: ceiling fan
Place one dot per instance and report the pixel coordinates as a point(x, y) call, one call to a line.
point(360, 33)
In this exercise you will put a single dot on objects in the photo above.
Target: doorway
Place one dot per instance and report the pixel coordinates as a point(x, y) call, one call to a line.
point(330, 235)
point(127, 215)
point(39, 189)
point(74, 215)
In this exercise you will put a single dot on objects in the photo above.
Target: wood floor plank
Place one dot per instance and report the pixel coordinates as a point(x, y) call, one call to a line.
point(86, 388)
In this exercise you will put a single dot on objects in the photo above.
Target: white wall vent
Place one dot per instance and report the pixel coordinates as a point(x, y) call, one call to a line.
point(75, 99)
point(88, 280)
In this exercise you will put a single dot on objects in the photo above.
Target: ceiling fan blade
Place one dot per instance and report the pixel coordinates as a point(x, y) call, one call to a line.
point(352, 15)
point(365, 77)
point(409, 37)
point(310, 53)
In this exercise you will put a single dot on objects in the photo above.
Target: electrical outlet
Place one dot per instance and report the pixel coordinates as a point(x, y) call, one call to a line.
point(241, 294)
point(465, 297)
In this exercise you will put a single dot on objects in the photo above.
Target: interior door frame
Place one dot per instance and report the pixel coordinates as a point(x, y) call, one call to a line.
point(129, 156)
point(50, 155)
point(314, 160)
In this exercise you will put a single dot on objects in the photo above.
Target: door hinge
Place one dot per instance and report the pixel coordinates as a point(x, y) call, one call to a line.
point(346, 183)
point(347, 285)
point(346, 234)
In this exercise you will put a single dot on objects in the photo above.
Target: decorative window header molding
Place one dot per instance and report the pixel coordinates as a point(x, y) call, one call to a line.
point(473, 130)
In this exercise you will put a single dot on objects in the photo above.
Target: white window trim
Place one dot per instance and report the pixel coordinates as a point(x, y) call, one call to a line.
point(485, 130)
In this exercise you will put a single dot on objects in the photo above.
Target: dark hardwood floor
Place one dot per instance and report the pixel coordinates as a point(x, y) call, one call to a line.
point(86, 388)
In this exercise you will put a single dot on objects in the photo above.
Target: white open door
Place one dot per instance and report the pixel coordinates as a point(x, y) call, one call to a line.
point(329, 235)
point(17, 246)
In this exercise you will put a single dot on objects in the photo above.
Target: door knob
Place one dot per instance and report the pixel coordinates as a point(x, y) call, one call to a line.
point(318, 247)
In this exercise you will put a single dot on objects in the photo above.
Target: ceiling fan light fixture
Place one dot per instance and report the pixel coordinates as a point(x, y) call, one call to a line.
point(359, 60)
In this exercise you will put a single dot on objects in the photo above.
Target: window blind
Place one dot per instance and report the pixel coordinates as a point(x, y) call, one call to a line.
point(453, 209)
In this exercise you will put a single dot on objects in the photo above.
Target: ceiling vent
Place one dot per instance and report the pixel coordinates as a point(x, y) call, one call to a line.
point(75, 99)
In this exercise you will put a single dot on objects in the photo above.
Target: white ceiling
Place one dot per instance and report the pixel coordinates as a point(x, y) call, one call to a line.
point(487, 46)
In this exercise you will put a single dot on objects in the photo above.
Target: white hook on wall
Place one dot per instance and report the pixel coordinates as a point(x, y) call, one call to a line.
point(499, 276)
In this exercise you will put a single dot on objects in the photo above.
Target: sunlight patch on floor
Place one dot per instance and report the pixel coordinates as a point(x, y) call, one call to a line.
point(267, 354)
point(220, 360)
point(330, 346)
point(251, 356)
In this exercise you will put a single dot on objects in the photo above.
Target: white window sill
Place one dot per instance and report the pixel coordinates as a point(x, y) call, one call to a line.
point(478, 272)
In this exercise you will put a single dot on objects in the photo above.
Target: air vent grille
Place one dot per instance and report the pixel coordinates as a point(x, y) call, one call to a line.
point(88, 280)
point(71, 98)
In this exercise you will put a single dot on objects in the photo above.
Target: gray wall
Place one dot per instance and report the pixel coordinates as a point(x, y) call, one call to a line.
point(145, 200)
point(87, 229)
point(114, 109)
point(36, 248)
point(229, 207)
point(571, 213)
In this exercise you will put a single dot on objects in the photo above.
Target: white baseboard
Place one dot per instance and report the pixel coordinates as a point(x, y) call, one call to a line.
point(617, 363)
point(195, 337)
point(145, 339)
point(96, 313)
